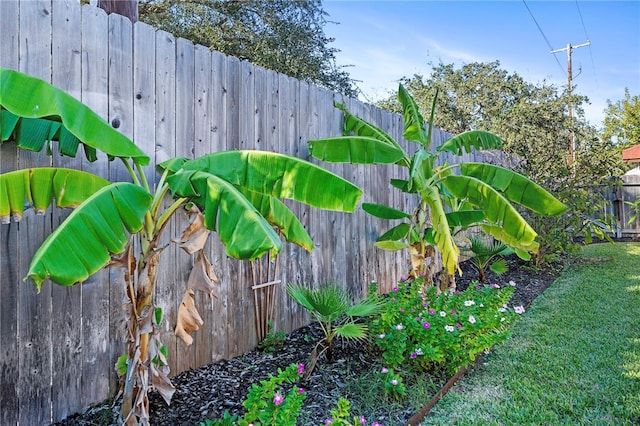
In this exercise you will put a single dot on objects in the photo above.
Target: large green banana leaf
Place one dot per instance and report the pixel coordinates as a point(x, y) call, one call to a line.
point(279, 215)
point(441, 230)
point(413, 122)
point(240, 226)
point(384, 212)
point(68, 187)
point(515, 187)
point(496, 208)
point(477, 139)
point(281, 176)
point(34, 112)
point(355, 150)
point(359, 127)
point(84, 242)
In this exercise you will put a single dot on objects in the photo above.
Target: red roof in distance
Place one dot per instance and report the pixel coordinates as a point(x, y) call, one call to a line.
point(631, 155)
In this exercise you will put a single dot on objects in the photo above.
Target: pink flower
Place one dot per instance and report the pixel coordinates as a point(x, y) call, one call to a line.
point(402, 310)
point(278, 399)
point(328, 422)
point(363, 421)
point(413, 355)
point(512, 283)
point(426, 325)
point(393, 300)
point(300, 390)
point(300, 369)
point(384, 370)
point(376, 424)
point(432, 312)
point(395, 289)
point(453, 312)
point(459, 325)
point(394, 382)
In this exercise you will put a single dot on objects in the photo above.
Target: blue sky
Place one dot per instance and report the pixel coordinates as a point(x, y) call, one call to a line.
point(386, 40)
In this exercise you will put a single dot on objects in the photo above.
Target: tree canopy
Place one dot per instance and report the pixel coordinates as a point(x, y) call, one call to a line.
point(622, 121)
point(281, 35)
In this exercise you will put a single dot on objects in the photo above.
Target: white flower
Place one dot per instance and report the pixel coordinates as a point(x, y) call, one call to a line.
point(443, 313)
point(381, 335)
point(449, 327)
point(502, 309)
point(512, 283)
point(399, 327)
point(419, 351)
point(472, 320)
point(469, 303)
point(502, 319)
point(519, 309)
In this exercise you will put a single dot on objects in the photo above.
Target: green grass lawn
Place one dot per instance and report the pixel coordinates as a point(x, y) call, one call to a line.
point(574, 356)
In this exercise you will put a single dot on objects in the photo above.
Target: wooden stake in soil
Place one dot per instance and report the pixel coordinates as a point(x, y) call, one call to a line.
point(264, 294)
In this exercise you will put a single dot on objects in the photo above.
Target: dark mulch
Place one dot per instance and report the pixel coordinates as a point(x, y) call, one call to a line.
point(210, 390)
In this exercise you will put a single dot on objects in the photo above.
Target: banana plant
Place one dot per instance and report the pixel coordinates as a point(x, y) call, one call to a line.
point(452, 197)
point(234, 193)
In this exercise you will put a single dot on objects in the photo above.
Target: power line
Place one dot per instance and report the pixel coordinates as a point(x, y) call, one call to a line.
point(543, 35)
point(587, 35)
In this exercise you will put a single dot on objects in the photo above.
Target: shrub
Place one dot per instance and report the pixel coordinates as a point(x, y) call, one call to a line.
point(445, 331)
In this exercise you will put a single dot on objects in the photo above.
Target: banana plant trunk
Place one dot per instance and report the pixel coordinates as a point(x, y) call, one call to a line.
point(146, 364)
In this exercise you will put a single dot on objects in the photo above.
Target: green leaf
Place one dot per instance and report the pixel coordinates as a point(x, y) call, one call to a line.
point(499, 266)
point(351, 331)
point(363, 308)
point(84, 242)
point(279, 215)
point(355, 150)
point(391, 245)
point(240, 226)
point(121, 364)
point(396, 233)
point(38, 187)
point(465, 218)
point(45, 113)
point(158, 315)
point(414, 130)
point(359, 127)
point(515, 187)
point(495, 206)
point(384, 212)
point(281, 176)
point(477, 139)
point(327, 303)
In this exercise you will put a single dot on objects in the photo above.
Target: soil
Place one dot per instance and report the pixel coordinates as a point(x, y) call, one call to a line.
point(208, 391)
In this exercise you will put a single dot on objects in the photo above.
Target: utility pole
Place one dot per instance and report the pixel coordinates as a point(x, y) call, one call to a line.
point(572, 145)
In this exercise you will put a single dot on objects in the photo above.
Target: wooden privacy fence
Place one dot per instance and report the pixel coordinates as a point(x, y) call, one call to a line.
point(58, 348)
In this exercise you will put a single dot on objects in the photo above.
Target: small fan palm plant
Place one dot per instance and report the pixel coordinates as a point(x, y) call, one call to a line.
point(329, 304)
point(484, 254)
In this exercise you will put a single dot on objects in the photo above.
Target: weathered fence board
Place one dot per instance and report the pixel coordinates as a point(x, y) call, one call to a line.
point(58, 348)
point(66, 302)
point(9, 238)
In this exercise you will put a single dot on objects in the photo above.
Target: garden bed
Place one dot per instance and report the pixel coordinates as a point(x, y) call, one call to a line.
point(208, 391)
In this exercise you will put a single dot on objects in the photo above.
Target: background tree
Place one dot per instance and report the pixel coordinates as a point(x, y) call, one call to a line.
point(533, 122)
point(281, 35)
point(622, 121)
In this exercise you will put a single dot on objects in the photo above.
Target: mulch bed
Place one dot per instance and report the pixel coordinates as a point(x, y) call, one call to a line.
point(208, 391)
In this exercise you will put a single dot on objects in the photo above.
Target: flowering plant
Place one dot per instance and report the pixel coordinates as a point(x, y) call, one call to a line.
point(341, 416)
point(441, 331)
point(268, 403)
